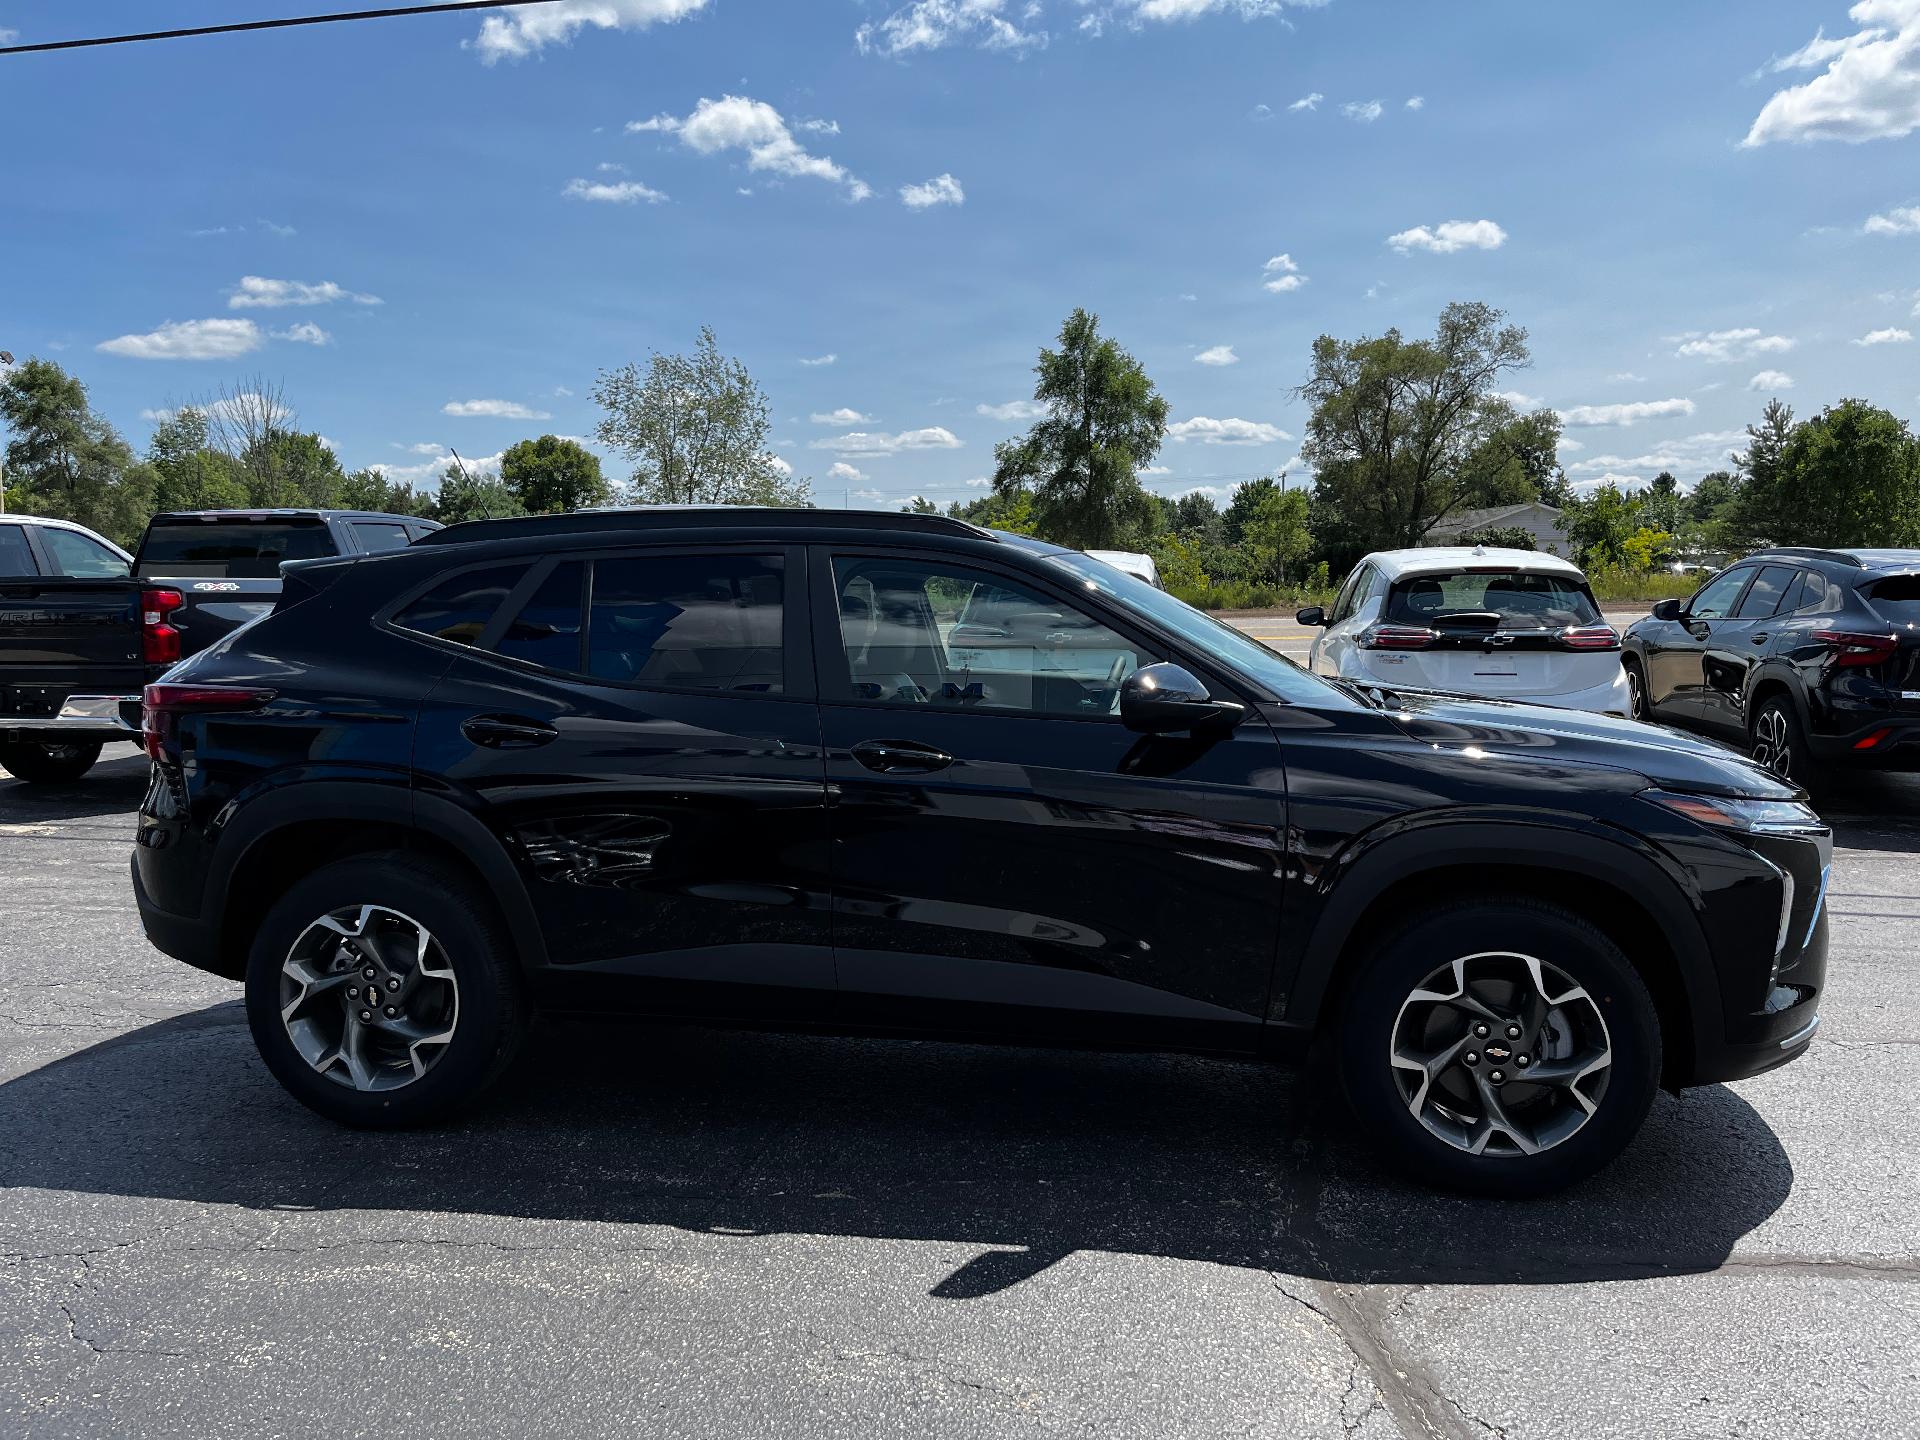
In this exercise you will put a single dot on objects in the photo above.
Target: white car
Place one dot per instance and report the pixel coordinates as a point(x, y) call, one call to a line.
point(1506, 624)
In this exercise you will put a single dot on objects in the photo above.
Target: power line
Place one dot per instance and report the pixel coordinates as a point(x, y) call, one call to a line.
point(386, 13)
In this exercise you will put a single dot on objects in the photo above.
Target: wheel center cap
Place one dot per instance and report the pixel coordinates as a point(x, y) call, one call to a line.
point(1498, 1053)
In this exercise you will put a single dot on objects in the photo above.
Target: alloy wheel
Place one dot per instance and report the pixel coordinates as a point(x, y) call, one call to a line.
point(1636, 695)
point(1772, 741)
point(1501, 1054)
point(368, 997)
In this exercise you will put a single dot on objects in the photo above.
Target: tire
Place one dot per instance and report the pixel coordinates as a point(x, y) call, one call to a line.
point(461, 1012)
point(1491, 939)
point(1777, 740)
point(1638, 707)
point(42, 762)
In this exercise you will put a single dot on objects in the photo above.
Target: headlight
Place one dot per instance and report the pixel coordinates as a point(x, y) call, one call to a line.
point(1755, 817)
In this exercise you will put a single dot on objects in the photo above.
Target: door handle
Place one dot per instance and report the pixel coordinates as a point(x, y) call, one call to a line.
point(507, 732)
point(896, 757)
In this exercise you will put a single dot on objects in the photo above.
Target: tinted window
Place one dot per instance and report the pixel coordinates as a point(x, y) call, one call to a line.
point(459, 607)
point(1715, 601)
point(1769, 587)
point(1797, 593)
point(1520, 599)
point(547, 629)
point(79, 557)
point(698, 622)
point(1820, 595)
point(928, 633)
point(230, 549)
point(1897, 598)
point(378, 535)
point(1343, 603)
point(15, 557)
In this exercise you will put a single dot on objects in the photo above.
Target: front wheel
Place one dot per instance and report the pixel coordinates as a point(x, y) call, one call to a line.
point(382, 993)
point(1503, 1047)
point(1637, 706)
point(42, 762)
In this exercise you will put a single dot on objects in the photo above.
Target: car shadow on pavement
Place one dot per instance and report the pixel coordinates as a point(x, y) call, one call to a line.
point(108, 791)
point(1032, 1154)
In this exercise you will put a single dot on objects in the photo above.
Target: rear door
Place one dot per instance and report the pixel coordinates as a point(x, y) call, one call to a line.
point(1736, 645)
point(1008, 856)
point(227, 565)
point(655, 768)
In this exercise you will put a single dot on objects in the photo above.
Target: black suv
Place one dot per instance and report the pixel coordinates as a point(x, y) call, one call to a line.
point(894, 773)
point(1807, 658)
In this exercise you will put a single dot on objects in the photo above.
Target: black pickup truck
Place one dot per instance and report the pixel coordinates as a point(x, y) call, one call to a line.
point(84, 626)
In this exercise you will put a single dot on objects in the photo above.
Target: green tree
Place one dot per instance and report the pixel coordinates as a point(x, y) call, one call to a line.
point(1195, 514)
point(189, 474)
point(695, 429)
point(1602, 527)
point(466, 496)
point(551, 475)
point(1710, 496)
point(1246, 501)
point(1081, 460)
point(1402, 431)
point(65, 461)
point(1662, 505)
point(292, 468)
point(1276, 537)
point(1848, 476)
point(371, 490)
point(1754, 516)
point(1011, 511)
point(1502, 537)
point(920, 505)
point(1517, 463)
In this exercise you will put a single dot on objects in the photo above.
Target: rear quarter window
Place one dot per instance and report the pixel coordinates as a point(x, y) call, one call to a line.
point(15, 557)
point(460, 607)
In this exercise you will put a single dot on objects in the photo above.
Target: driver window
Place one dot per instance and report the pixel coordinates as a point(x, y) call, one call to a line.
point(79, 558)
point(929, 633)
point(1715, 602)
point(1349, 596)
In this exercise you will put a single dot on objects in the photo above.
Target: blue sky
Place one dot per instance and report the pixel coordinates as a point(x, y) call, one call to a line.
point(885, 209)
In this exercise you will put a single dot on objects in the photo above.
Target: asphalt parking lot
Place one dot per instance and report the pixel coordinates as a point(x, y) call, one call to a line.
point(687, 1233)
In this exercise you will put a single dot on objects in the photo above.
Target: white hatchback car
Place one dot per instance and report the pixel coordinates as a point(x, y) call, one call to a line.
point(1506, 624)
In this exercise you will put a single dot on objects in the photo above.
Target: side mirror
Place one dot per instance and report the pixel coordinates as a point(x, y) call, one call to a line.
point(1667, 610)
point(1163, 699)
point(1312, 615)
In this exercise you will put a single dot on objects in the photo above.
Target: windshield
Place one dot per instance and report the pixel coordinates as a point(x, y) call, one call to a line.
point(230, 549)
point(1241, 652)
point(1517, 599)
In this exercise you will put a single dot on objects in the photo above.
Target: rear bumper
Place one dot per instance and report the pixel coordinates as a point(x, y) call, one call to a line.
point(185, 937)
point(102, 717)
point(1885, 743)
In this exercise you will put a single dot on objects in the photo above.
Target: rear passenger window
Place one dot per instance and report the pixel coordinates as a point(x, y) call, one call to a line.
point(1764, 596)
point(546, 632)
point(15, 558)
point(377, 535)
point(693, 622)
point(460, 607)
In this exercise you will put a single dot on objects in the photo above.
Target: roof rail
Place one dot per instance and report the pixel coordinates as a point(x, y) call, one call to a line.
point(649, 518)
point(1810, 552)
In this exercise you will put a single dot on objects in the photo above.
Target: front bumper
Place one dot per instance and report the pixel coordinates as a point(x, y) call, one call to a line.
point(102, 717)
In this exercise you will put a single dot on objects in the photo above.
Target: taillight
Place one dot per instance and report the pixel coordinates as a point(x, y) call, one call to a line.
point(1590, 637)
point(161, 707)
point(1852, 648)
point(159, 640)
point(1397, 637)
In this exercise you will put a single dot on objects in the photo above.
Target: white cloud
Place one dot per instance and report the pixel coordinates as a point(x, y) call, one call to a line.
point(611, 167)
point(1518, 400)
point(427, 473)
point(493, 410)
point(1903, 220)
point(1282, 275)
point(933, 24)
point(816, 360)
point(219, 339)
point(256, 292)
point(818, 127)
point(1226, 432)
point(779, 465)
point(1745, 343)
point(1892, 335)
point(872, 497)
point(1626, 377)
point(305, 333)
point(618, 192)
point(1307, 102)
point(1156, 469)
point(1449, 237)
point(1012, 410)
point(735, 122)
point(424, 447)
point(941, 190)
point(841, 470)
point(1363, 111)
point(1771, 380)
point(249, 404)
point(563, 392)
point(524, 32)
point(1869, 88)
point(7, 37)
point(842, 416)
point(1218, 355)
point(1631, 412)
point(861, 442)
point(283, 231)
point(1261, 112)
point(1416, 102)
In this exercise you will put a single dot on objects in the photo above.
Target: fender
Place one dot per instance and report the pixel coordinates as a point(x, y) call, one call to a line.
point(379, 797)
point(1784, 671)
point(1352, 881)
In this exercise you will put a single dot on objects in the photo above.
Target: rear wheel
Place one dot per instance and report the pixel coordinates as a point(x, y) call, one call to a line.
point(1776, 740)
point(41, 762)
point(1504, 1047)
point(382, 993)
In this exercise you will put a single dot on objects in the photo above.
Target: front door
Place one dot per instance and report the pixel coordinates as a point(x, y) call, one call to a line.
point(639, 729)
point(1676, 649)
point(1007, 855)
point(1736, 646)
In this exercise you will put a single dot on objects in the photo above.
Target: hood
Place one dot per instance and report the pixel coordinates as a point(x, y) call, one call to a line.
point(1665, 757)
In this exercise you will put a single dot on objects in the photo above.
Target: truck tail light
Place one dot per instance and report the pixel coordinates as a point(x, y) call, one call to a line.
point(159, 638)
point(1397, 637)
point(1849, 647)
point(161, 707)
point(1590, 637)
